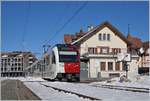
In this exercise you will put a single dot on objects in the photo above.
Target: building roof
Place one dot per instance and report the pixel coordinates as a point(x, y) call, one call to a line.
point(136, 43)
point(146, 45)
point(97, 29)
point(16, 54)
point(81, 33)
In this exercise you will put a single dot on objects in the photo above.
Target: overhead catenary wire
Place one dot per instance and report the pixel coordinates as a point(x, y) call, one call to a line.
point(25, 26)
point(55, 24)
point(67, 22)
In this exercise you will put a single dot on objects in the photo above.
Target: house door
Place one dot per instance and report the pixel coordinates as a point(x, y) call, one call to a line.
point(83, 71)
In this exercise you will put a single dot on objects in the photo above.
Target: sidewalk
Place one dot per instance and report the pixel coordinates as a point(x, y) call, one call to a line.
point(16, 90)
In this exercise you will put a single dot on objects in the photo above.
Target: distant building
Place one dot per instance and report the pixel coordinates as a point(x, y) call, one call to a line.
point(99, 48)
point(135, 46)
point(13, 64)
point(144, 61)
point(68, 38)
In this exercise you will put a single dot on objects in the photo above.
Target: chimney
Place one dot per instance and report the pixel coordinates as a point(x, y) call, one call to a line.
point(67, 38)
point(90, 27)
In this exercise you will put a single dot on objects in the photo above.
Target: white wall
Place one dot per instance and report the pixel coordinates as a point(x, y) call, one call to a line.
point(115, 41)
point(94, 63)
point(95, 67)
point(133, 68)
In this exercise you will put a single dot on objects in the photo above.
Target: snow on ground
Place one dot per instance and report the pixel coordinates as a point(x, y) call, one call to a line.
point(139, 81)
point(102, 93)
point(49, 94)
point(46, 93)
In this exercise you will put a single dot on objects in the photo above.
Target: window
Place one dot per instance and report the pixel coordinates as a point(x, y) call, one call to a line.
point(30, 59)
point(15, 60)
point(110, 66)
point(68, 56)
point(92, 50)
point(104, 50)
point(116, 50)
point(108, 37)
point(1, 69)
point(104, 36)
point(103, 66)
point(53, 58)
point(100, 37)
point(5, 60)
point(19, 60)
point(117, 66)
point(8, 60)
point(2, 60)
point(15, 64)
point(19, 68)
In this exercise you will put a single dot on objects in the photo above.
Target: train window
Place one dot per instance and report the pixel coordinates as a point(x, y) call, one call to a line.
point(53, 58)
point(68, 58)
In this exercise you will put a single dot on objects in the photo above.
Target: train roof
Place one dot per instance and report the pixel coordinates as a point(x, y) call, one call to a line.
point(65, 46)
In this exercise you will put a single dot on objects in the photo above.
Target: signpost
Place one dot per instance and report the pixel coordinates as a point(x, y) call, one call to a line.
point(124, 58)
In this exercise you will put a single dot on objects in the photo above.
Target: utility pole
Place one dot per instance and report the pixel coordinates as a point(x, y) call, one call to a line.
point(44, 51)
point(128, 28)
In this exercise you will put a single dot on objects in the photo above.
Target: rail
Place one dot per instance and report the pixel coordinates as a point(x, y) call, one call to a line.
point(80, 95)
point(132, 89)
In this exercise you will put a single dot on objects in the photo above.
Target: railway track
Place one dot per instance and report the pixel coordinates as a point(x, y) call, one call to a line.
point(75, 93)
point(132, 89)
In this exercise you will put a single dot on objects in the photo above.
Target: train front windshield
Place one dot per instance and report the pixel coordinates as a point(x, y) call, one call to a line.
point(68, 56)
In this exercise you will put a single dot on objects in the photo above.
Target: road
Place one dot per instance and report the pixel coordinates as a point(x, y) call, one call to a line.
point(16, 90)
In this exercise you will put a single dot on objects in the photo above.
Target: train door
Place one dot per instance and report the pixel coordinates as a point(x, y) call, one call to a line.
point(53, 66)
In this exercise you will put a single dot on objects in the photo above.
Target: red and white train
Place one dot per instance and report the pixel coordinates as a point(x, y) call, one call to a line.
point(63, 63)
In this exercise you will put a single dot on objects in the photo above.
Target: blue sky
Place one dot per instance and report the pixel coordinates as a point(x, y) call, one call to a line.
point(28, 25)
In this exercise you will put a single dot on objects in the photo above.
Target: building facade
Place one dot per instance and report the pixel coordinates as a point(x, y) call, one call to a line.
point(138, 46)
point(144, 60)
point(13, 64)
point(99, 48)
